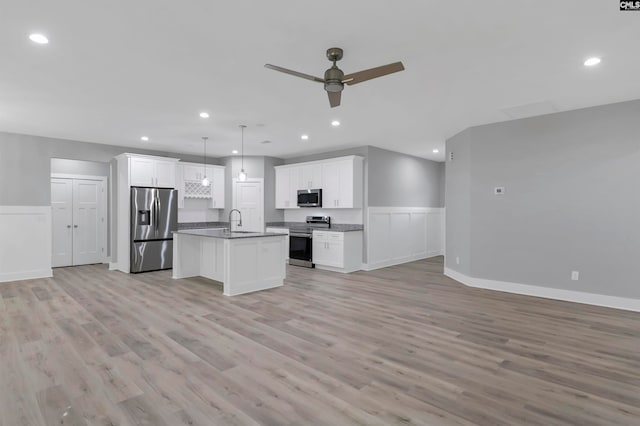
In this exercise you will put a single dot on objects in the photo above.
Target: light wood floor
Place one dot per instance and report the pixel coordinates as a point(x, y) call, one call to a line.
point(402, 345)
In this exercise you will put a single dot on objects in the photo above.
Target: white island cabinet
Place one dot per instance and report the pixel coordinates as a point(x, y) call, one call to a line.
point(243, 262)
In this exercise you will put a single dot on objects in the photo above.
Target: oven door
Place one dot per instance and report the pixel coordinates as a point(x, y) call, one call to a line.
point(300, 246)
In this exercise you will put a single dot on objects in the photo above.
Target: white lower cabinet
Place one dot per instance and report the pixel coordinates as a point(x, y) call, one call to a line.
point(282, 231)
point(337, 251)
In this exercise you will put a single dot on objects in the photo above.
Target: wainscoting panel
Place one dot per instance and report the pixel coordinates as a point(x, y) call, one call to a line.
point(25, 242)
point(398, 235)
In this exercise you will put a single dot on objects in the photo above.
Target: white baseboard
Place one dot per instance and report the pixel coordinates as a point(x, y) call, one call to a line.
point(399, 261)
point(624, 303)
point(333, 269)
point(113, 266)
point(26, 275)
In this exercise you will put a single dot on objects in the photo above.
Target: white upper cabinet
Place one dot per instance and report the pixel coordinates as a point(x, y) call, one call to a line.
point(165, 174)
point(310, 176)
point(339, 190)
point(192, 172)
point(190, 177)
point(143, 171)
point(287, 186)
point(150, 171)
point(341, 181)
point(284, 185)
point(217, 187)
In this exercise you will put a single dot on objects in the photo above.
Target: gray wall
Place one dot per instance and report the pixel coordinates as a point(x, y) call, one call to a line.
point(572, 200)
point(80, 167)
point(26, 159)
point(400, 180)
point(255, 167)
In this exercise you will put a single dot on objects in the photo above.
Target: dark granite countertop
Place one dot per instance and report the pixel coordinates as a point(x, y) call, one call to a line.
point(218, 233)
point(202, 225)
point(303, 226)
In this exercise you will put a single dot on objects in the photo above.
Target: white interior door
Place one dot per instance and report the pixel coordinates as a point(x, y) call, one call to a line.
point(249, 200)
point(88, 221)
point(62, 222)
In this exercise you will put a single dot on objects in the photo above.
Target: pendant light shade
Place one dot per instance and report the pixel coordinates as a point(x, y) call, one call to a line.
point(242, 176)
point(205, 181)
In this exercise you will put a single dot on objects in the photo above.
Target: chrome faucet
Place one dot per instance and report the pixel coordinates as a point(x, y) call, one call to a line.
point(239, 221)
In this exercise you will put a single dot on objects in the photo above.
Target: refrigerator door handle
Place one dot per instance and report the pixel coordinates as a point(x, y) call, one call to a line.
point(152, 213)
point(158, 210)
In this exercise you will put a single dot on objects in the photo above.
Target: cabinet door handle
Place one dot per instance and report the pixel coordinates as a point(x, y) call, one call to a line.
point(68, 226)
point(75, 226)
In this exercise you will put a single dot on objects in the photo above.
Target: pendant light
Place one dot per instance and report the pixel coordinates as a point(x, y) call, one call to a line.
point(242, 176)
point(205, 181)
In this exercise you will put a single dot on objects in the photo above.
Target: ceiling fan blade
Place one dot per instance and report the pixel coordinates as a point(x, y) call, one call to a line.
point(360, 76)
point(334, 98)
point(295, 73)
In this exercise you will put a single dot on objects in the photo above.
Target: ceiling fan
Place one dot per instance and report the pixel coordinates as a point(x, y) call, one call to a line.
point(334, 79)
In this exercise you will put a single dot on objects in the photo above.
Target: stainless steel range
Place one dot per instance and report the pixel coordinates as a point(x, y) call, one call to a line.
point(301, 240)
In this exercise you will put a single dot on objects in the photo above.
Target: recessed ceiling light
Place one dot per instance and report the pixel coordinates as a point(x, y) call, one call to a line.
point(435, 151)
point(304, 137)
point(144, 138)
point(204, 115)
point(592, 62)
point(235, 151)
point(38, 38)
point(335, 123)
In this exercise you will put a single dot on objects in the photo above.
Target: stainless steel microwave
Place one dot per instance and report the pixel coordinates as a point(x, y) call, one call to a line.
point(310, 198)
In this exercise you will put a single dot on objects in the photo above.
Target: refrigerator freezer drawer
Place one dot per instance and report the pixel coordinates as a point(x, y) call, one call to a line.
point(151, 256)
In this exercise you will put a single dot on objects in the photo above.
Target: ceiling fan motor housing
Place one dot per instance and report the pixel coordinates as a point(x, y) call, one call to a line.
point(333, 79)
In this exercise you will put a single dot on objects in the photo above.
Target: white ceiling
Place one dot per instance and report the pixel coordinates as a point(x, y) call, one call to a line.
point(119, 69)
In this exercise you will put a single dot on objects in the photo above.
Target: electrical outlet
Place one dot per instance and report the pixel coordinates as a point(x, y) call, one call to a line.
point(498, 190)
point(457, 260)
point(575, 275)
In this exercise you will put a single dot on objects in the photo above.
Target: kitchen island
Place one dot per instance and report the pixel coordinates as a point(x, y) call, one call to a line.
point(243, 261)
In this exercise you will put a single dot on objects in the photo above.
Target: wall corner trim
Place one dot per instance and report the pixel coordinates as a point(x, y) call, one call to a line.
point(623, 303)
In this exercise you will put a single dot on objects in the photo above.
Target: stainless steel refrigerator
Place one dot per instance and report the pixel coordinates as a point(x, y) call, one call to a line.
point(154, 216)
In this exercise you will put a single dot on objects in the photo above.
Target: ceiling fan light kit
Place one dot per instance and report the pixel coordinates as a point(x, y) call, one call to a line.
point(335, 79)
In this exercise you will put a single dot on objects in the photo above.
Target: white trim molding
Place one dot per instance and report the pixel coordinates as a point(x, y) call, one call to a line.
point(396, 235)
point(624, 303)
point(25, 242)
